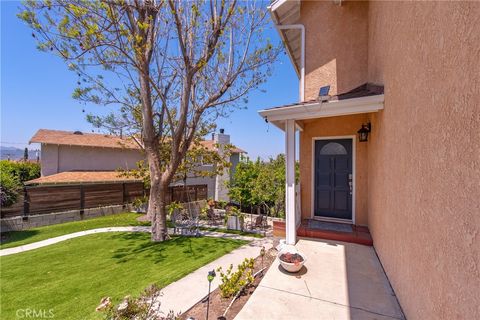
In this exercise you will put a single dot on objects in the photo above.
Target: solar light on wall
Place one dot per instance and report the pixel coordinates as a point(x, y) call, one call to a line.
point(323, 94)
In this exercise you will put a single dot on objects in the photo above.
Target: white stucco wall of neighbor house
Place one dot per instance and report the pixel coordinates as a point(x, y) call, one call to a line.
point(62, 158)
point(49, 156)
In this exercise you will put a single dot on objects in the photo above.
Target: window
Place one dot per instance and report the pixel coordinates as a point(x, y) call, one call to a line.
point(333, 148)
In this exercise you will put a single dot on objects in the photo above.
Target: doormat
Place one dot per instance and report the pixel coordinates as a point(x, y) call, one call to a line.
point(330, 226)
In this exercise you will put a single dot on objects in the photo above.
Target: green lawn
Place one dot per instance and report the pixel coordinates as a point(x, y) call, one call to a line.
point(18, 238)
point(71, 277)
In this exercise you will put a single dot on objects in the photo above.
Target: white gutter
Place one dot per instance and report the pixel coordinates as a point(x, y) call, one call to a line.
point(300, 27)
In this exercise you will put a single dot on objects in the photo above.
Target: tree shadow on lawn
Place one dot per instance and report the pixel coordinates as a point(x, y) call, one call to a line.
point(188, 247)
point(14, 236)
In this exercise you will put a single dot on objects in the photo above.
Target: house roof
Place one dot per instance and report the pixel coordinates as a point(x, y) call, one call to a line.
point(83, 177)
point(77, 138)
point(58, 137)
point(365, 90)
point(363, 99)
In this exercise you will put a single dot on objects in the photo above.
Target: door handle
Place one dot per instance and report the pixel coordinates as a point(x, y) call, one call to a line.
point(350, 183)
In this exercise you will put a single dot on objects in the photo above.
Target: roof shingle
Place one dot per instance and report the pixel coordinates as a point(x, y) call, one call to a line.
point(70, 138)
point(83, 177)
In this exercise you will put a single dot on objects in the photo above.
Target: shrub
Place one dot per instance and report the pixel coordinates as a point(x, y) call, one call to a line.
point(233, 282)
point(147, 306)
point(234, 211)
point(9, 188)
point(12, 176)
point(172, 207)
point(21, 170)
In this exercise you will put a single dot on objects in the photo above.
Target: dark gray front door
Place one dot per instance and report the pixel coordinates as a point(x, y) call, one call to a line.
point(333, 178)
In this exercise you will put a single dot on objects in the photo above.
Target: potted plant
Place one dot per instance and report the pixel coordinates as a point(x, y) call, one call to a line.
point(140, 204)
point(174, 207)
point(211, 203)
point(235, 219)
point(291, 260)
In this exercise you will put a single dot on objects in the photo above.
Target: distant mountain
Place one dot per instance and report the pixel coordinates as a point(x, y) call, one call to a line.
point(14, 153)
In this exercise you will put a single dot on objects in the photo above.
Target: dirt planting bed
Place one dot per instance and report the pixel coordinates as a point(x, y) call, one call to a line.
point(218, 305)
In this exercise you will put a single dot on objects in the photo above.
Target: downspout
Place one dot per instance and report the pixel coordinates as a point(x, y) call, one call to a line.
point(300, 27)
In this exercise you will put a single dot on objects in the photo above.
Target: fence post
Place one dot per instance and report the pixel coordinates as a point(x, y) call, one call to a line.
point(26, 204)
point(123, 195)
point(82, 200)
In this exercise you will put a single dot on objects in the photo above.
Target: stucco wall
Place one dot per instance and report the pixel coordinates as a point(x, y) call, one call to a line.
point(423, 183)
point(336, 42)
point(57, 159)
point(49, 156)
point(329, 127)
point(424, 155)
point(88, 158)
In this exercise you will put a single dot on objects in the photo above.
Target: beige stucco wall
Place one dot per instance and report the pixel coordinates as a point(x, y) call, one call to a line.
point(423, 182)
point(336, 42)
point(57, 159)
point(49, 156)
point(424, 155)
point(333, 127)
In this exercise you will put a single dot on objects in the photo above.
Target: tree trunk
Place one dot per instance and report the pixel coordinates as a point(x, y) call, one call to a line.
point(158, 180)
point(157, 210)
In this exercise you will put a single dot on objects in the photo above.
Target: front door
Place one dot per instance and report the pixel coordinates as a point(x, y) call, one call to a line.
point(333, 179)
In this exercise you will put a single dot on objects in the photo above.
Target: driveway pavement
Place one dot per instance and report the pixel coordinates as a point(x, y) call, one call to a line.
point(339, 281)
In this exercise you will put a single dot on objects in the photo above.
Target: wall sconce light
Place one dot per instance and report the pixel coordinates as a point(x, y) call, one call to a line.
point(364, 131)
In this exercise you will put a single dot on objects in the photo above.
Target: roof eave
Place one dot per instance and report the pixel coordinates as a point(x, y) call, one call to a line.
point(277, 116)
point(272, 8)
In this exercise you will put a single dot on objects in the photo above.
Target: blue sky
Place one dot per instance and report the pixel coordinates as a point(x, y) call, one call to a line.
point(36, 90)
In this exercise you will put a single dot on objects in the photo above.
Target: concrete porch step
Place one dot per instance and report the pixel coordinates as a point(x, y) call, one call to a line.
point(352, 234)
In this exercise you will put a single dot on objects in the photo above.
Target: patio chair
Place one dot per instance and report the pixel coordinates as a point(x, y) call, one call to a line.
point(186, 221)
point(259, 222)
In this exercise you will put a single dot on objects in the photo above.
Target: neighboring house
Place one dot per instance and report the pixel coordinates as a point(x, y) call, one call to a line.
point(77, 157)
point(406, 73)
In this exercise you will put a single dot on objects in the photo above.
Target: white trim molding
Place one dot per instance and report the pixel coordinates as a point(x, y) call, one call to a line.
point(354, 178)
point(319, 109)
point(290, 198)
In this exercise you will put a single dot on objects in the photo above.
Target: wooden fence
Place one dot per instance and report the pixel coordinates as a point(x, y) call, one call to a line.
point(49, 199)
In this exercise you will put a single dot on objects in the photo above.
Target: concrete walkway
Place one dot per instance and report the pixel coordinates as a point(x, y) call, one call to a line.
point(181, 295)
point(339, 281)
point(47, 242)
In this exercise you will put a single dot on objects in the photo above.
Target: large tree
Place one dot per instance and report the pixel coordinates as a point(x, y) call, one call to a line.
point(172, 67)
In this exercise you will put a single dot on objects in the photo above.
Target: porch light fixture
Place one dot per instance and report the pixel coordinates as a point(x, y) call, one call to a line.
point(364, 131)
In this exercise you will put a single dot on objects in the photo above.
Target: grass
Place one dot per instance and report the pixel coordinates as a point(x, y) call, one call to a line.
point(18, 238)
point(71, 277)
